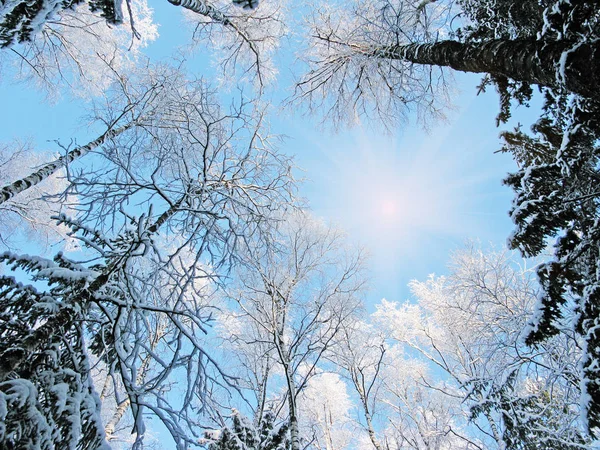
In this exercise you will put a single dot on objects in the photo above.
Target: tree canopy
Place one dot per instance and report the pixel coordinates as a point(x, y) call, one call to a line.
point(195, 287)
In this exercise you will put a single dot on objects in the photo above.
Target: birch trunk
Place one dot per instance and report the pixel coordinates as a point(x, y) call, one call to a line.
point(8, 192)
point(294, 428)
point(370, 428)
point(111, 426)
point(573, 66)
point(366, 410)
point(202, 8)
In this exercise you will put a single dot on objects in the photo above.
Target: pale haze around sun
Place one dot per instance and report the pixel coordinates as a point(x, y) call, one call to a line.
point(412, 197)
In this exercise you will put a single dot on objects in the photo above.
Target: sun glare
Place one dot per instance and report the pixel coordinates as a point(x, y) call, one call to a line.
point(394, 195)
point(388, 208)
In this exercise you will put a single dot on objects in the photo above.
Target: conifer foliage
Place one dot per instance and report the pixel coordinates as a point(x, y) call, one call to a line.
point(243, 435)
point(20, 20)
point(556, 199)
point(47, 398)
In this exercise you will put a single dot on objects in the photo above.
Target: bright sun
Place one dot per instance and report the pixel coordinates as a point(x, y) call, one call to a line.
point(394, 197)
point(388, 208)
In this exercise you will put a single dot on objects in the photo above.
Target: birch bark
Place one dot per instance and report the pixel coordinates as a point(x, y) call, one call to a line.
point(9, 191)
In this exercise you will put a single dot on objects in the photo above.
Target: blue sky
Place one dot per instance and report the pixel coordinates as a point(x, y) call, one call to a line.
point(413, 196)
point(410, 197)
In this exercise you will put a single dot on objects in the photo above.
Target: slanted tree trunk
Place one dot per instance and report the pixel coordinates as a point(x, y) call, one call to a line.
point(358, 380)
point(370, 427)
point(111, 426)
point(204, 9)
point(573, 66)
point(217, 16)
point(8, 192)
point(122, 407)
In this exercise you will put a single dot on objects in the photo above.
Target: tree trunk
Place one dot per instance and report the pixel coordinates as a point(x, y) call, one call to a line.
point(8, 192)
point(570, 65)
point(292, 393)
point(262, 394)
point(367, 412)
point(370, 428)
point(122, 407)
point(111, 426)
point(294, 428)
point(204, 9)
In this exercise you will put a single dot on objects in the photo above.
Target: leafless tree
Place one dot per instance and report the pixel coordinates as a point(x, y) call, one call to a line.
point(346, 79)
point(293, 302)
point(471, 325)
point(360, 352)
point(244, 46)
point(166, 209)
point(386, 58)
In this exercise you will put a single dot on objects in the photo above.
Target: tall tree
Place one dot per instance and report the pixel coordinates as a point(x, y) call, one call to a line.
point(384, 58)
point(296, 299)
point(471, 325)
point(209, 185)
point(244, 47)
point(557, 201)
point(325, 407)
point(360, 352)
point(134, 101)
point(555, 194)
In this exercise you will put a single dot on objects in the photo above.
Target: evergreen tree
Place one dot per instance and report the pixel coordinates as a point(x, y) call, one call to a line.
point(528, 422)
point(47, 399)
point(556, 186)
point(243, 435)
point(557, 201)
point(546, 21)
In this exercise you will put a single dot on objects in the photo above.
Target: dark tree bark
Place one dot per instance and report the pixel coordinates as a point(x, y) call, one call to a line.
point(572, 66)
